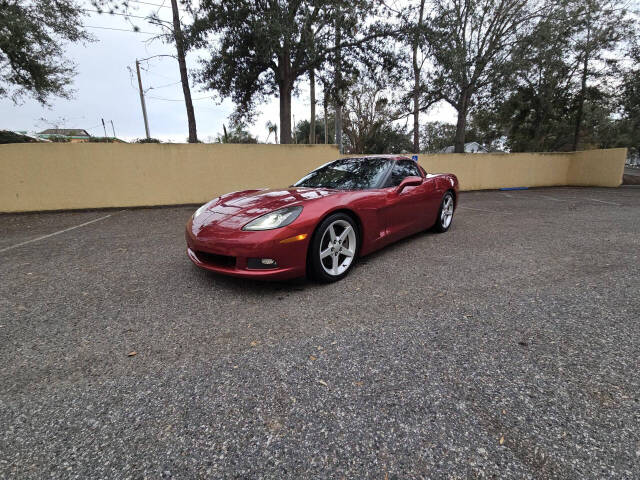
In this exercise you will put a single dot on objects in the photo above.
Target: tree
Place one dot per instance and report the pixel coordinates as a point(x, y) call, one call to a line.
point(414, 21)
point(542, 104)
point(629, 124)
point(601, 26)
point(312, 113)
point(302, 130)
point(32, 39)
point(472, 42)
point(236, 134)
point(257, 49)
point(272, 128)
point(179, 40)
point(7, 136)
point(534, 106)
point(174, 34)
point(417, 64)
point(368, 119)
point(437, 136)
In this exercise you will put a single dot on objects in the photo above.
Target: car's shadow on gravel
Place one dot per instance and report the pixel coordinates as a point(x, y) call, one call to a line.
point(377, 256)
point(244, 285)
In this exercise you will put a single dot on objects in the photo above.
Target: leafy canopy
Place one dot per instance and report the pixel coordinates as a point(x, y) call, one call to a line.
point(31, 47)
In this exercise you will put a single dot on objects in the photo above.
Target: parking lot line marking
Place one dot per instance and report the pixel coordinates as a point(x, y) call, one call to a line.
point(54, 233)
point(602, 201)
point(485, 211)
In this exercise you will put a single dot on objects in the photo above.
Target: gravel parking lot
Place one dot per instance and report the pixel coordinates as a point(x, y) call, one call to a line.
point(508, 347)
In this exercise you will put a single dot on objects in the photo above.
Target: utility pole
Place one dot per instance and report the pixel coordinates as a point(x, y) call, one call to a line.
point(184, 77)
point(338, 85)
point(144, 107)
point(104, 127)
point(113, 129)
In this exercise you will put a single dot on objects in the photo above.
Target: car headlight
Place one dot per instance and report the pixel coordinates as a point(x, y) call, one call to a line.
point(275, 219)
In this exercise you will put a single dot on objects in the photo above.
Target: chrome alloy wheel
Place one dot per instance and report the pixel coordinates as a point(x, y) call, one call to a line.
point(337, 247)
point(446, 213)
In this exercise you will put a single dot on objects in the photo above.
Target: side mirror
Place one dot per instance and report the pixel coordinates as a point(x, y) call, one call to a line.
point(408, 182)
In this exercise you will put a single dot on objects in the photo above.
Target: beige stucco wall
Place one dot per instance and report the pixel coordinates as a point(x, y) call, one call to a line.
point(603, 168)
point(596, 168)
point(97, 175)
point(500, 170)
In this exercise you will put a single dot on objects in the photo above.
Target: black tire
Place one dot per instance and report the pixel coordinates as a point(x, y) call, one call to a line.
point(442, 224)
point(319, 269)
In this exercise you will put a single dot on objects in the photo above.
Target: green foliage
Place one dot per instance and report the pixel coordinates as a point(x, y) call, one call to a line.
point(437, 135)
point(561, 91)
point(7, 136)
point(259, 48)
point(32, 36)
point(236, 134)
point(100, 140)
point(472, 42)
point(388, 138)
point(272, 127)
point(368, 118)
point(629, 124)
point(303, 128)
point(58, 139)
point(147, 140)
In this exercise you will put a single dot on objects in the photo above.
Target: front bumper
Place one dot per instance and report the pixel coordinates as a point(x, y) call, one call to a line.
point(235, 247)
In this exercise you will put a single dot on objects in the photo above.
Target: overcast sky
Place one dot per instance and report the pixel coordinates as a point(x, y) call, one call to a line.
point(106, 88)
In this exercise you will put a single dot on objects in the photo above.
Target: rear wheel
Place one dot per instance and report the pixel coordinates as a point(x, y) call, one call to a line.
point(333, 248)
point(445, 214)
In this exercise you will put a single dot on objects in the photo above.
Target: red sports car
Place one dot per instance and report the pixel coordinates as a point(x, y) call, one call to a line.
point(342, 210)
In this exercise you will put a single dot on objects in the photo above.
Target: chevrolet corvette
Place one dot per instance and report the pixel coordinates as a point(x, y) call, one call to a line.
point(343, 210)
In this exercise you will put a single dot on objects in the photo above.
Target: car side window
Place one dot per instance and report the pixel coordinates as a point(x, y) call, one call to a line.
point(401, 170)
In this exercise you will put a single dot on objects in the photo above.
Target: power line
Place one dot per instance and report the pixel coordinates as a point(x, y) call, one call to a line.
point(124, 15)
point(154, 4)
point(155, 73)
point(123, 30)
point(177, 100)
point(167, 85)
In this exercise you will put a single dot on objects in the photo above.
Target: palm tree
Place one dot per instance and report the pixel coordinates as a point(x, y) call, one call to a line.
point(272, 128)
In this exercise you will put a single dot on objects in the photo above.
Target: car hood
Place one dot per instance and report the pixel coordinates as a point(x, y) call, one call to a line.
point(234, 210)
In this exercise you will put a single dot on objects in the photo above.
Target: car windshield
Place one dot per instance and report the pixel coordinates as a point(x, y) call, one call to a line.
point(348, 174)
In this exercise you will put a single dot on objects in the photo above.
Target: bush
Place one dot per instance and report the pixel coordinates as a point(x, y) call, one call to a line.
point(147, 140)
point(7, 136)
point(58, 139)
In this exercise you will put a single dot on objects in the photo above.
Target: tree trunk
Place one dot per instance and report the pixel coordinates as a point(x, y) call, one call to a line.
point(581, 98)
point(338, 85)
point(285, 112)
point(326, 128)
point(583, 90)
point(463, 107)
point(312, 94)
point(285, 85)
point(184, 77)
point(416, 84)
point(416, 101)
point(338, 126)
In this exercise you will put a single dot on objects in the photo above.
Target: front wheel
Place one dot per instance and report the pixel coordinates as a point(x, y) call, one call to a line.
point(445, 214)
point(333, 248)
